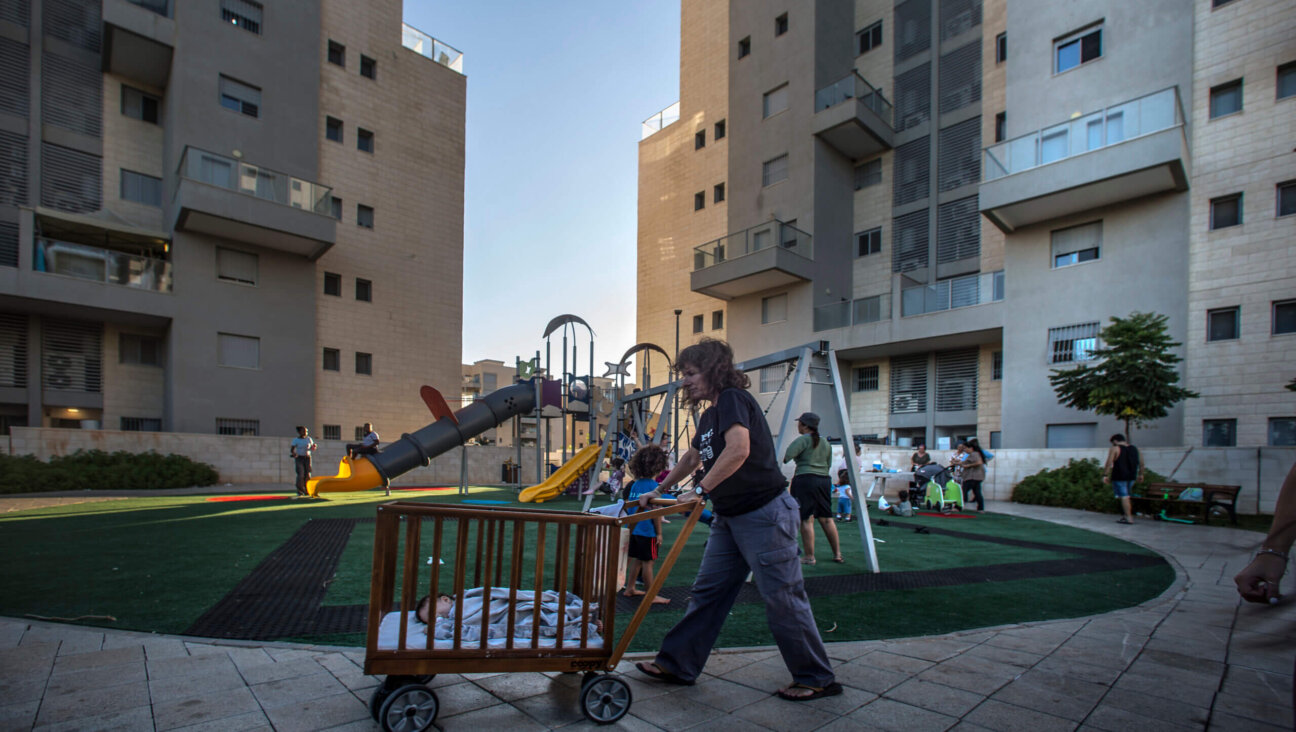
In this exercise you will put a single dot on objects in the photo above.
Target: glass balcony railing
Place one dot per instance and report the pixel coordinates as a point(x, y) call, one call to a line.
point(857, 312)
point(956, 292)
point(429, 47)
point(1086, 133)
point(101, 265)
point(161, 7)
point(749, 241)
point(254, 180)
point(655, 123)
point(853, 86)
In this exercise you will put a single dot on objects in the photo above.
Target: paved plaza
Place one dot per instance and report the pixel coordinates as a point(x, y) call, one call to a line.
point(1193, 658)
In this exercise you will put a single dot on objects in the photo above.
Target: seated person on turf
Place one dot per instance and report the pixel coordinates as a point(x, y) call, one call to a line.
point(903, 508)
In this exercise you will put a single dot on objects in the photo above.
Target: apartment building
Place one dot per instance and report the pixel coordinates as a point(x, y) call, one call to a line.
point(959, 194)
point(226, 216)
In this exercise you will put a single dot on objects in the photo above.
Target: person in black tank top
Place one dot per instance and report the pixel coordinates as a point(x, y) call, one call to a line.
point(1124, 467)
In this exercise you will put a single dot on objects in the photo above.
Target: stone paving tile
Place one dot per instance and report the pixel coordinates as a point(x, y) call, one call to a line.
point(1261, 651)
point(1051, 693)
point(203, 706)
point(18, 715)
point(206, 649)
point(1177, 687)
point(673, 712)
point(190, 665)
point(1247, 683)
point(719, 664)
point(785, 716)
point(851, 650)
point(308, 715)
point(29, 659)
point(971, 674)
point(559, 707)
point(1105, 675)
point(15, 689)
point(103, 677)
point(497, 717)
point(337, 663)
point(938, 649)
point(1187, 629)
point(248, 722)
point(1036, 643)
point(935, 697)
point(356, 680)
point(464, 697)
point(126, 720)
point(761, 676)
point(98, 659)
point(70, 641)
point(727, 722)
point(210, 673)
point(1020, 659)
point(1170, 711)
point(1112, 656)
point(154, 646)
point(265, 672)
point(845, 724)
point(1279, 714)
point(297, 689)
point(889, 714)
point(629, 723)
point(1263, 619)
point(1179, 660)
point(1222, 722)
point(723, 695)
point(860, 675)
point(511, 687)
point(11, 632)
point(360, 725)
point(1197, 648)
point(997, 715)
point(92, 700)
point(1114, 719)
point(895, 662)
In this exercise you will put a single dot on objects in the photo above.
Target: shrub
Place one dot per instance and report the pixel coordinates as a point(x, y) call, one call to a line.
point(99, 470)
point(1078, 484)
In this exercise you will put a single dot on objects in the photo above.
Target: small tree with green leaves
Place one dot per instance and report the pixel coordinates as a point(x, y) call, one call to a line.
point(1134, 378)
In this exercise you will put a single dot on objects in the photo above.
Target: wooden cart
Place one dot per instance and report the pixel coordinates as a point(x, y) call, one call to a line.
point(459, 547)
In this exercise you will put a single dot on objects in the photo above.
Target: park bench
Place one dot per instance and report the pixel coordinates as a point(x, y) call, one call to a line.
point(1160, 496)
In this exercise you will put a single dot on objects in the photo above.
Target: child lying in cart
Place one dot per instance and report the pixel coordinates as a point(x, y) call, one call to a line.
point(442, 621)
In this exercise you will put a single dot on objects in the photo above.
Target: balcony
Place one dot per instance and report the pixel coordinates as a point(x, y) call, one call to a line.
point(97, 264)
point(232, 199)
point(662, 119)
point(861, 311)
point(1115, 155)
point(139, 37)
point(429, 47)
point(853, 117)
point(762, 257)
point(951, 294)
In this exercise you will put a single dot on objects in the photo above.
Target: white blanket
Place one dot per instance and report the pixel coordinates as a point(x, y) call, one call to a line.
point(497, 628)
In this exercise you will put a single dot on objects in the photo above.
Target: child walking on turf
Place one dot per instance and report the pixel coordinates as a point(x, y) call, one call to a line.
point(843, 491)
point(645, 464)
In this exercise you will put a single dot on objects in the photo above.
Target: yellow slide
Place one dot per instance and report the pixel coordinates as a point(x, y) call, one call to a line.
point(562, 477)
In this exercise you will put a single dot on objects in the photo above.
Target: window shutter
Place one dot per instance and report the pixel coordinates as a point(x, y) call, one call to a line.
point(956, 380)
point(960, 77)
point(958, 230)
point(70, 180)
point(909, 384)
point(909, 241)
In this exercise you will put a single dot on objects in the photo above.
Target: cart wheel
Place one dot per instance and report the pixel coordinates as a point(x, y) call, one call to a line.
point(1217, 512)
point(605, 699)
point(380, 694)
point(410, 708)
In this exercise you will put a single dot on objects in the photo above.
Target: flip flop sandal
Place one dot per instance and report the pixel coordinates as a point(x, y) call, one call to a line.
point(809, 562)
point(654, 671)
point(839, 560)
point(832, 689)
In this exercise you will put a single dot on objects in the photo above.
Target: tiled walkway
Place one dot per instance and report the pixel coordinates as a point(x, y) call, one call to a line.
point(1194, 658)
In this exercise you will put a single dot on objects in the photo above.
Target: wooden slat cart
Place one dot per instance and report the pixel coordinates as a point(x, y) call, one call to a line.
point(495, 547)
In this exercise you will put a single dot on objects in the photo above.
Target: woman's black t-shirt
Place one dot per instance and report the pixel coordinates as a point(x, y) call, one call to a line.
point(758, 480)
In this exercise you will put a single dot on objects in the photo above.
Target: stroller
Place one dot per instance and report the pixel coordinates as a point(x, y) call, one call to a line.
point(941, 489)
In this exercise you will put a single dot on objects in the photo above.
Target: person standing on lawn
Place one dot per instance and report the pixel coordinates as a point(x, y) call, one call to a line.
point(811, 486)
point(754, 531)
point(300, 450)
point(1123, 469)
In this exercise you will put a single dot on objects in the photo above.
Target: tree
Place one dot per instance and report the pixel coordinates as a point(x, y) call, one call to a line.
point(1134, 379)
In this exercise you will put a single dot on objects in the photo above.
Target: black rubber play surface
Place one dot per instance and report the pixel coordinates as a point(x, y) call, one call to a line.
point(281, 597)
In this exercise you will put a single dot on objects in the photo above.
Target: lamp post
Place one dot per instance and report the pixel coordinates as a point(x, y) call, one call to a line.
point(675, 424)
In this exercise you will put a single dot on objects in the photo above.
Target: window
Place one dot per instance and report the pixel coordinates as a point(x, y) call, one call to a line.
point(332, 359)
point(869, 38)
point(1284, 317)
point(235, 266)
point(1219, 433)
point(364, 363)
point(1061, 436)
point(868, 242)
point(718, 193)
point(698, 323)
point(1076, 49)
point(239, 427)
point(364, 140)
point(1001, 48)
point(364, 216)
point(868, 174)
point(774, 309)
point(1220, 3)
point(337, 53)
point(1282, 431)
point(1287, 80)
point(1001, 126)
point(996, 440)
point(368, 69)
point(699, 140)
point(331, 432)
point(1077, 244)
point(866, 378)
point(699, 200)
point(141, 188)
point(1223, 324)
point(1072, 343)
point(717, 319)
point(773, 171)
point(140, 105)
point(364, 290)
point(1226, 99)
point(242, 352)
point(360, 431)
point(1226, 211)
point(1286, 198)
point(240, 97)
point(333, 129)
point(771, 377)
point(242, 13)
point(781, 25)
point(333, 284)
point(335, 207)
point(774, 101)
point(139, 350)
point(744, 47)
point(719, 130)
point(141, 424)
point(996, 366)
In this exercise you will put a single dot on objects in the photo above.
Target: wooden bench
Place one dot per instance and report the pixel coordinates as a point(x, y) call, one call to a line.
point(1224, 496)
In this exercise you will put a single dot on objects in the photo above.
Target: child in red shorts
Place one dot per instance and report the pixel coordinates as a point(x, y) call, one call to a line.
point(646, 463)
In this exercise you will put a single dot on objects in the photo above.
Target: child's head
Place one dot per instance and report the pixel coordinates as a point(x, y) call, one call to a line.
point(842, 477)
point(648, 461)
point(904, 495)
point(617, 463)
point(444, 603)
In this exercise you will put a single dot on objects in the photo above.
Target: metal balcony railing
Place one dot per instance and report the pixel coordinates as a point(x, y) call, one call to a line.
point(96, 264)
point(854, 86)
point(751, 240)
point(655, 123)
point(429, 47)
point(956, 292)
point(253, 180)
point(853, 312)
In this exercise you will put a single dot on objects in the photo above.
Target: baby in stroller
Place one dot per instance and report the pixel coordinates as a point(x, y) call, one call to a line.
point(938, 488)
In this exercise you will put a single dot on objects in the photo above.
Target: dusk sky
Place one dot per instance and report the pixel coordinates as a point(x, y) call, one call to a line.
point(557, 92)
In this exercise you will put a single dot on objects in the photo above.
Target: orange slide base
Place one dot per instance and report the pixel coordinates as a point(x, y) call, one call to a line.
point(354, 474)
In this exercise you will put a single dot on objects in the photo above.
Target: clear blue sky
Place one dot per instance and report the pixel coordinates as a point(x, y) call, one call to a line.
point(556, 95)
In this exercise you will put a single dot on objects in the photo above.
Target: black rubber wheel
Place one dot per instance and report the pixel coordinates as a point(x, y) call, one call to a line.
point(605, 699)
point(380, 694)
point(411, 708)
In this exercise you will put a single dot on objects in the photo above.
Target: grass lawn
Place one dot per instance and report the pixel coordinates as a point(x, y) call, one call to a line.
point(158, 563)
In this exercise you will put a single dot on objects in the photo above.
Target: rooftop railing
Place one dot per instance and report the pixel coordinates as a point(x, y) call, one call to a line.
point(254, 180)
point(101, 265)
point(655, 123)
point(752, 240)
point(429, 47)
point(1086, 133)
point(853, 86)
point(956, 292)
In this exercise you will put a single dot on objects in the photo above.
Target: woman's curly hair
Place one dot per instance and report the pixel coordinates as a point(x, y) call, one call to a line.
point(648, 461)
point(714, 359)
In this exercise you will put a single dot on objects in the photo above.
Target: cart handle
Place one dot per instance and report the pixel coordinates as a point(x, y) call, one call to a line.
point(666, 507)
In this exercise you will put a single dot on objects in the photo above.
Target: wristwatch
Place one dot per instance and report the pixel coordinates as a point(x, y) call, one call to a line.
point(697, 488)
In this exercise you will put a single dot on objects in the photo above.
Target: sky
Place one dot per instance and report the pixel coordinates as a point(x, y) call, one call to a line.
point(557, 93)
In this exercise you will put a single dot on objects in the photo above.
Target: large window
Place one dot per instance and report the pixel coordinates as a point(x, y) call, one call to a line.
point(774, 101)
point(139, 350)
point(868, 174)
point(240, 97)
point(141, 188)
point(1226, 99)
point(140, 105)
point(141, 424)
point(245, 14)
point(773, 171)
point(1226, 211)
point(235, 266)
point(1077, 244)
point(1282, 431)
point(869, 38)
point(1073, 343)
point(868, 242)
point(1219, 433)
point(774, 308)
point(1223, 324)
point(1077, 48)
point(866, 378)
point(242, 352)
point(240, 427)
point(1286, 198)
point(1070, 436)
point(1284, 317)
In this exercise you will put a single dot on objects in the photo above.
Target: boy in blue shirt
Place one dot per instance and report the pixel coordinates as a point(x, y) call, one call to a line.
point(646, 463)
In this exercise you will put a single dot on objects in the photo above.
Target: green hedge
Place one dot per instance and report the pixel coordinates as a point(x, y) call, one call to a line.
point(98, 470)
point(1078, 484)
